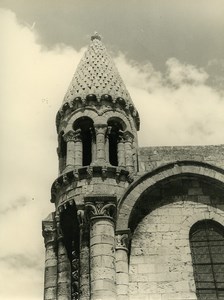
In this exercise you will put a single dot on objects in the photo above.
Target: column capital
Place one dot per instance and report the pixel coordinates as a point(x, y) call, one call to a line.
point(100, 207)
point(100, 128)
point(69, 136)
point(49, 231)
point(122, 239)
point(128, 136)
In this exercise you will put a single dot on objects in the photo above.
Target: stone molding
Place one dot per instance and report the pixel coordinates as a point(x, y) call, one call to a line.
point(120, 173)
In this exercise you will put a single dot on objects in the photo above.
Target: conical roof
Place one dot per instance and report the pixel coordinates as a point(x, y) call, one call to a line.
point(96, 74)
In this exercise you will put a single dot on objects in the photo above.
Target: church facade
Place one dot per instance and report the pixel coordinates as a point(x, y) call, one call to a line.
point(129, 223)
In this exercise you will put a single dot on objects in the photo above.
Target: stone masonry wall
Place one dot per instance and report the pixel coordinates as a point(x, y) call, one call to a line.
point(153, 157)
point(160, 259)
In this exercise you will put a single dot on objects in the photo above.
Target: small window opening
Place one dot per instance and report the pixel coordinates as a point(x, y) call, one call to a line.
point(113, 137)
point(86, 126)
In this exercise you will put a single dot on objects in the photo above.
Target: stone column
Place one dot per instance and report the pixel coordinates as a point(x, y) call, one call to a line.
point(100, 143)
point(61, 161)
point(108, 131)
point(84, 275)
point(50, 274)
point(64, 268)
point(69, 138)
point(128, 137)
point(121, 150)
point(122, 277)
point(78, 149)
point(93, 144)
point(101, 212)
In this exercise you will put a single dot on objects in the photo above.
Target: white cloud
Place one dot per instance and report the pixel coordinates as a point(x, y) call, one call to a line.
point(177, 107)
point(178, 73)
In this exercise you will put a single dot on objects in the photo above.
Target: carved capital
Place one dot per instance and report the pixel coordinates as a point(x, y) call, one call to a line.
point(69, 136)
point(122, 240)
point(128, 136)
point(49, 232)
point(100, 207)
point(100, 128)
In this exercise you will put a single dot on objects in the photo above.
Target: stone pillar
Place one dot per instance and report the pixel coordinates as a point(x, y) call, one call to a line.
point(101, 211)
point(69, 138)
point(78, 149)
point(100, 143)
point(50, 275)
point(61, 161)
point(107, 144)
point(64, 268)
point(128, 137)
point(93, 145)
point(84, 275)
point(121, 150)
point(122, 277)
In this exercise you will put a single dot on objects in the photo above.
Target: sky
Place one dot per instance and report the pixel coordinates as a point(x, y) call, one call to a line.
point(170, 55)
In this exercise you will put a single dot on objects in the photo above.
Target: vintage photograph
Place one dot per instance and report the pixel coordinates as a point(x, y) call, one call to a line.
point(112, 150)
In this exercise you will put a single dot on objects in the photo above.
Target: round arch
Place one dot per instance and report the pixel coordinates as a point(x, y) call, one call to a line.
point(155, 177)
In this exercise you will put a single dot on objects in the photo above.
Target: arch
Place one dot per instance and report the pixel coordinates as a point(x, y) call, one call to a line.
point(85, 125)
point(120, 115)
point(116, 126)
point(155, 177)
point(89, 113)
point(207, 249)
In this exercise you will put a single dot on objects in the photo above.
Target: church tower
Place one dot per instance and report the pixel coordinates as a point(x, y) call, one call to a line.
point(130, 223)
point(97, 128)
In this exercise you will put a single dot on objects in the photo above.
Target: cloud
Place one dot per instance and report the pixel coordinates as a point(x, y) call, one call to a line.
point(178, 73)
point(176, 107)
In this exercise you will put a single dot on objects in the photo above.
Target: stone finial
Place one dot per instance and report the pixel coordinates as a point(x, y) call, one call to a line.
point(96, 36)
